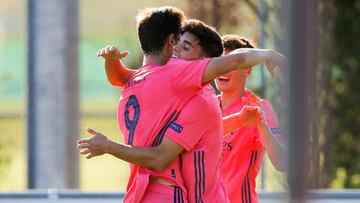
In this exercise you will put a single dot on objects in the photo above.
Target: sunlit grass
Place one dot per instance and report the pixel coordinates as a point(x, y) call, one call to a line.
point(105, 172)
point(113, 172)
point(12, 148)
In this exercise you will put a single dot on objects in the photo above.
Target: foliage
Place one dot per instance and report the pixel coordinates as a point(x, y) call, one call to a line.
point(334, 135)
point(341, 52)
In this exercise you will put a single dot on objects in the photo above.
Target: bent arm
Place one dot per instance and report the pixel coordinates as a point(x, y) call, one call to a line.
point(155, 158)
point(238, 59)
point(248, 116)
point(116, 72)
point(231, 123)
point(274, 148)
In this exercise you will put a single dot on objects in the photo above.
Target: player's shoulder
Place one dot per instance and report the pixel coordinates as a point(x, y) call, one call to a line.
point(175, 61)
point(266, 105)
point(252, 96)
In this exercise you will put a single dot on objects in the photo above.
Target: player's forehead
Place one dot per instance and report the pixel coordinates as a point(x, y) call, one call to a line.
point(227, 51)
point(189, 38)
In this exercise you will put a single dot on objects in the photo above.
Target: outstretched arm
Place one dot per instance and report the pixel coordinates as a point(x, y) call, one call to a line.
point(242, 59)
point(155, 158)
point(116, 72)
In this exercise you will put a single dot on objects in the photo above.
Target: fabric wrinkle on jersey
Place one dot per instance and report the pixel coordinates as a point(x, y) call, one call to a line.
point(162, 193)
point(201, 136)
point(149, 102)
point(243, 151)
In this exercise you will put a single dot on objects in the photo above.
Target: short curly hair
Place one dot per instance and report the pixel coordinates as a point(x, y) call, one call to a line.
point(155, 25)
point(209, 39)
point(232, 42)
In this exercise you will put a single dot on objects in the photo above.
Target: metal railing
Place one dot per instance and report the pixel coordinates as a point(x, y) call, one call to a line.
point(76, 196)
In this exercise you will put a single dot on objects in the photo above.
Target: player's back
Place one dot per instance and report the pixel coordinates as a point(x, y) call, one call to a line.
point(154, 95)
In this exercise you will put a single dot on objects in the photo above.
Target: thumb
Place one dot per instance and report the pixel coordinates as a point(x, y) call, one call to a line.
point(123, 54)
point(244, 100)
point(249, 108)
point(91, 131)
point(271, 71)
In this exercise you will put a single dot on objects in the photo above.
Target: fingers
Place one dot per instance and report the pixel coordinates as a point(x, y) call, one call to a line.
point(271, 71)
point(91, 131)
point(85, 151)
point(244, 100)
point(83, 145)
point(104, 51)
point(250, 108)
point(278, 60)
point(89, 156)
point(83, 140)
point(123, 54)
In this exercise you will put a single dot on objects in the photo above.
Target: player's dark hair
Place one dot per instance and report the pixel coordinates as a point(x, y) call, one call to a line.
point(155, 25)
point(209, 39)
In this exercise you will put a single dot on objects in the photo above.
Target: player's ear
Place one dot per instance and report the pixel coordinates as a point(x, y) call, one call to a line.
point(173, 39)
point(247, 72)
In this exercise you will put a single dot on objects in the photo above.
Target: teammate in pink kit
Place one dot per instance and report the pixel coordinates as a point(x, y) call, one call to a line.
point(244, 148)
point(198, 128)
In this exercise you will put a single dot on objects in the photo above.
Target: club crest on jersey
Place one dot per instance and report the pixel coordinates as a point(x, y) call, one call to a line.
point(178, 128)
point(275, 130)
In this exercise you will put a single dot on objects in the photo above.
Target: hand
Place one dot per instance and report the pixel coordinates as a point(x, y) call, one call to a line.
point(276, 60)
point(249, 116)
point(112, 53)
point(254, 101)
point(93, 146)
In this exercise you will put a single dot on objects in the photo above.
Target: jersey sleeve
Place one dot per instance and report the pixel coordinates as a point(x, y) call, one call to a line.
point(188, 128)
point(187, 74)
point(272, 120)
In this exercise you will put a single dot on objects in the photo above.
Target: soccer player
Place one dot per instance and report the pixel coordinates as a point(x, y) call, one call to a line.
point(154, 95)
point(244, 148)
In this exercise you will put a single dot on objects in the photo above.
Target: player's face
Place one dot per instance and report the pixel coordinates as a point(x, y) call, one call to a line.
point(233, 80)
point(188, 47)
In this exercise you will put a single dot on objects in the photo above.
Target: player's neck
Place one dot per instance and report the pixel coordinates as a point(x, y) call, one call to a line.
point(160, 59)
point(228, 98)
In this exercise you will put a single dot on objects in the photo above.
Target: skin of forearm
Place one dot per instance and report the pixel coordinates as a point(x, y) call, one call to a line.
point(230, 123)
point(250, 57)
point(236, 60)
point(146, 157)
point(275, 149)
point(116, 72)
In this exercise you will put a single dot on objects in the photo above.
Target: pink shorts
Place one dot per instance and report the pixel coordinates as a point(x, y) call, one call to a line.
point(160, 193)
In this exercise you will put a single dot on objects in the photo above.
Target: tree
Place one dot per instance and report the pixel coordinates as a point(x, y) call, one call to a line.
point(342, 57)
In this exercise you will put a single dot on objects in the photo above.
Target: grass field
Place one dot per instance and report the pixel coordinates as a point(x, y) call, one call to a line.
point(13, 145)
